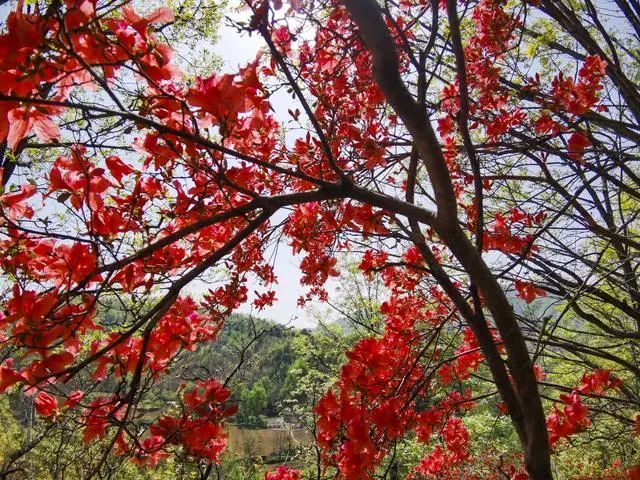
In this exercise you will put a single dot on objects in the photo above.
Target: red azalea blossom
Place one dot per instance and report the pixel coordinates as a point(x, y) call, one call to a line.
point(577, 144)
point(528, 292)
point(46, 404)
point(282, 473)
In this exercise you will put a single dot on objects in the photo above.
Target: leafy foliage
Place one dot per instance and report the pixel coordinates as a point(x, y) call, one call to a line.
point(422, 140)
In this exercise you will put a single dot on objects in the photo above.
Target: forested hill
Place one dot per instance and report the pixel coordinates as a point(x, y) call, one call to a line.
point(251, 355)
point(254, 355)
point(274, 370)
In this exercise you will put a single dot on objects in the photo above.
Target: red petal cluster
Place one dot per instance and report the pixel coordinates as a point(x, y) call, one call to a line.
point(282, 473)
point(573, 418)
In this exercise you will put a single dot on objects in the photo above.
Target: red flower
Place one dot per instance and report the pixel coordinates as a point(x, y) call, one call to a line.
point(576, 146)
point(9, 377)
point(598, 381)
point(16, 202)
point(118, 168)
point(528, 292)
point(282, 473)
point(46, 404)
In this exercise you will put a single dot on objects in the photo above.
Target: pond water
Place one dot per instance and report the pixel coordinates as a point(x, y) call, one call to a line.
point(264, 442)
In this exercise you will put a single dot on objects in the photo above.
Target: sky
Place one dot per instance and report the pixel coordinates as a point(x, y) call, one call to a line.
point(235, 50)
point(4, 11)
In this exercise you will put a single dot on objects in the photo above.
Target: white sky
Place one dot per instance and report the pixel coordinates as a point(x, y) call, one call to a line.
point(236, 50)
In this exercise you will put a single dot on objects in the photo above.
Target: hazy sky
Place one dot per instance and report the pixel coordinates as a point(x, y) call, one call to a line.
point(236, 50)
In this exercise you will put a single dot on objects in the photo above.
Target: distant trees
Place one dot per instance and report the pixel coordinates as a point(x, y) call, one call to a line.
point(253, 405)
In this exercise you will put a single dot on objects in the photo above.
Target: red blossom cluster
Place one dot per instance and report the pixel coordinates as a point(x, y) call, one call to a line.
point(493, 34)
point(492, 110)
point(570, 96)
point(377, 395)
point(360, 131)
point(456, 448)
point(468, 358)
point(29, 63)
point(282, 473)
point(49, 316)
point(374, 402)
point(573, 418)
point(199, 428)
point(577, 98)
point(502, 236)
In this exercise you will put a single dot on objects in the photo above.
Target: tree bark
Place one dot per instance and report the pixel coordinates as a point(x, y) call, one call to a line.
point(529, 419)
